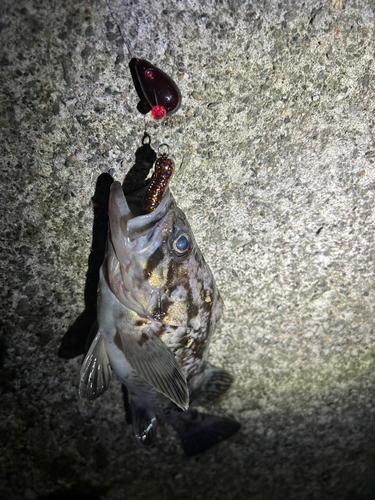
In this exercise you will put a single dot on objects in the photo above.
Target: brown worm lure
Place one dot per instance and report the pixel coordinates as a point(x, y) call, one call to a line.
point(164, 168)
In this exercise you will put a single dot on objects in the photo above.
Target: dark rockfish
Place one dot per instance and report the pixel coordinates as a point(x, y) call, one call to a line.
point(157, 308)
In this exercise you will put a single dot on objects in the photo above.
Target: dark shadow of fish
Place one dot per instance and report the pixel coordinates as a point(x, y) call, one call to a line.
point(72, 494)
point(158, 306)
point(74, 342)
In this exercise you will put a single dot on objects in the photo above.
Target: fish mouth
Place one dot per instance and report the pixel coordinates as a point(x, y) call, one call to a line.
point(132, 239)
point(125, 216)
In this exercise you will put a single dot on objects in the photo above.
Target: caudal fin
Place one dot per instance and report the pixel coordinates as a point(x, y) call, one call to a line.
point(205, 431)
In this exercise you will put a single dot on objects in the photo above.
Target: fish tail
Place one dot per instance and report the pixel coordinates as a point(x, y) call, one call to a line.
point(200, 431)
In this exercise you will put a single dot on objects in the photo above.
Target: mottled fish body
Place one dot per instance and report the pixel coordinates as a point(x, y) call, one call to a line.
point(158, 305)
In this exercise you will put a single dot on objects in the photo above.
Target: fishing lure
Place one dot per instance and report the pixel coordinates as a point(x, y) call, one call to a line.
point(164, 168)
point(157, 91)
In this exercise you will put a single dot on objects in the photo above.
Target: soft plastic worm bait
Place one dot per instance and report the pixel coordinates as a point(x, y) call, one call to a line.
point(164, 168)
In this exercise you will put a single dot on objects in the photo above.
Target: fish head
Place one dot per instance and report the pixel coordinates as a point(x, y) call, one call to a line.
point(154, 265)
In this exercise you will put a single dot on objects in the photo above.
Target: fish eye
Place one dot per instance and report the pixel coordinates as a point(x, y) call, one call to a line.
point(181, 244)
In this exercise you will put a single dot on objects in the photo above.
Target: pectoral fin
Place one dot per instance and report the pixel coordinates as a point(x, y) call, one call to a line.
point(95, 371)
point(156, 364)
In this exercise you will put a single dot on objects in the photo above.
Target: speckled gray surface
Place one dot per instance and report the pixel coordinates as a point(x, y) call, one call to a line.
point(275, 146)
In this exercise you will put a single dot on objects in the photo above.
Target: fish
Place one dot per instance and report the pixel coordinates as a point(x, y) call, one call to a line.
point(157, 308)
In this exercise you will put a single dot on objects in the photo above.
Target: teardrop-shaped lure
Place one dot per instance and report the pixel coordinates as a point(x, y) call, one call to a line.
point(160, 92)
point(164, 168)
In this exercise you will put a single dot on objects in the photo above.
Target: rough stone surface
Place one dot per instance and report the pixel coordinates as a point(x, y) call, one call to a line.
point(274, 144)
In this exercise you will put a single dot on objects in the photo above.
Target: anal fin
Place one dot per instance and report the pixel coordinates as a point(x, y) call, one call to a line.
point(144, 424)
point(96, 371)
point(216, 382)
point(143, 420)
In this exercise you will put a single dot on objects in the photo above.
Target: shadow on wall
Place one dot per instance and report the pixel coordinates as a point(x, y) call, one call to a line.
point(70, 495)
point(77, 338)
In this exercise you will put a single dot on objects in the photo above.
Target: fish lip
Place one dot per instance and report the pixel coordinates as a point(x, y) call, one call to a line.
point(139, 225)
point(133, 236)
point(123, 212)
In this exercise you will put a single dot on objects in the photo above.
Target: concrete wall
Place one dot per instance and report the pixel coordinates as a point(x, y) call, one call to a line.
point(274, 144)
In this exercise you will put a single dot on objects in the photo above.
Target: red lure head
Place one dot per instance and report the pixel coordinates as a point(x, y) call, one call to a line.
point(164, 168)
point(158, 89)
point(158, 113)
